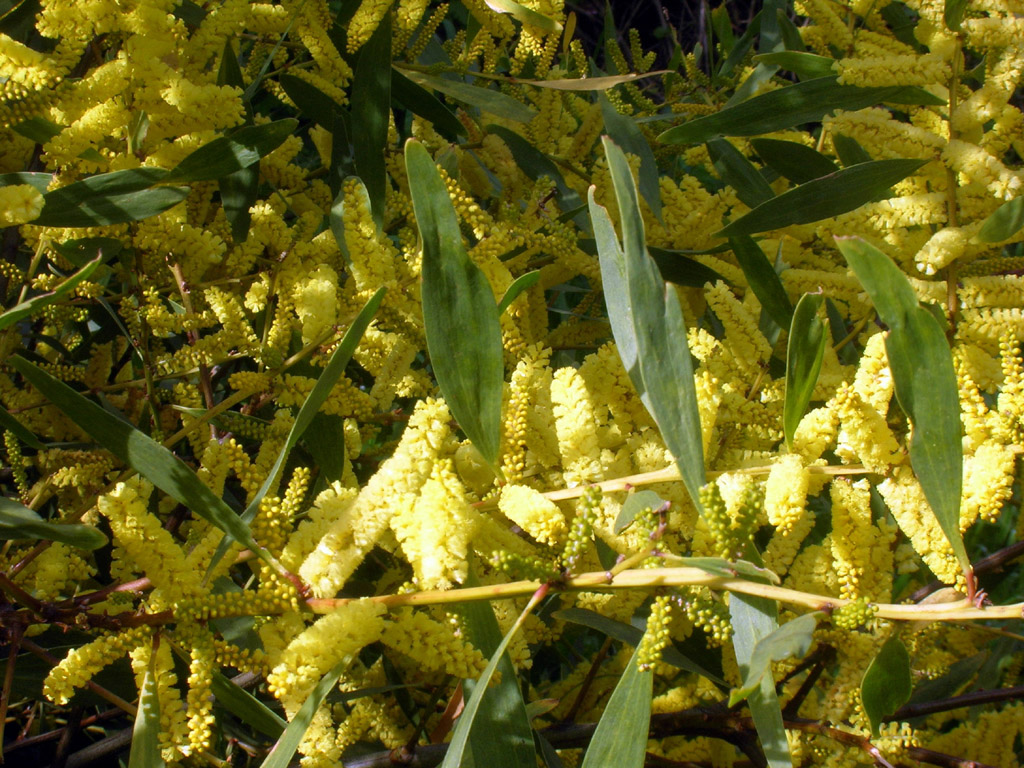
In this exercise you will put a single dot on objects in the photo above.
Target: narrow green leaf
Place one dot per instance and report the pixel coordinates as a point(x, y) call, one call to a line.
point(634, 504)
point(20, 522)
point(371, 113)
point(823, 198)
point(849, 150)
point(145, 752)
point(1003, 223)
point(227, 154)
point(600, 83)
point(38, 180)
point(283, 751)
point(626, 134)
point(647, 323)
point(502, 736)
point(36, 303)
point(753, 618)
point(525, 15)
point(110, 198)
point(805, 351)
point(797, 104)
point(887, 683)
point(795, 161)
point(484, 99)
point(680, 269)
point(520, 284)
point(626, 633)
point(792, 639)
point(535, 164)
point(140, 452)
point(311, 101)
point(806, 66)
point(82, 250)
point(8, 422)
point(763, 279)
point(422, 102)
point(739, 173)
point(925, 384)
point(457, 748)
point(728, 569)
point(247, 707)
point(620, 738)
point(38, 129)
point(238, 193)
point(310, 407)
point(460, 315)
point(953, 13)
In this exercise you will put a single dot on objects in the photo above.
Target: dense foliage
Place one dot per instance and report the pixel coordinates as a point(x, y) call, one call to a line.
point(386, 379)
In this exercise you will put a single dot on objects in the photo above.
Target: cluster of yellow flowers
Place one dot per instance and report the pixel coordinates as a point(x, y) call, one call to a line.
point(187, 312)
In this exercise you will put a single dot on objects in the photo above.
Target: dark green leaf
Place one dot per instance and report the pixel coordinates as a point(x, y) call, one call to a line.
point(887, 683)
point(763, 279)
point(823, 198)
point(736, 49)
point(925, 383)
point(484, 99)
point(19, 22)
point(227, 154)
point(371, 113)
point(238, 193)
point(525, 15)
point(647, 323)
point(793, 105)
point(1003, 223)
point(38, 129)
point(145, 751)
point(460, 315)
point(789, 32)
point(849, 150)
point(8, 422)
point(520, 284)
point(36, 303)
point(311, 101)
point(140, 452)
point(620, 738)
point(806, 66)
point(624, 131)
point(38, 180)
point(634, 504)
point(502, 736)
point(247, 707)
point(805, 351)
point(739, 173)
point(953, 13)
point(281, 755)
point(677, 268)
point(326, 443)
point(229, 73)
point(792, 639)
point(795, 161)
point(422, 102)
point(189, 12)
point(20, 522)
point(84, 249)
point(110, 198)
point(752, 619)
point(627, 633)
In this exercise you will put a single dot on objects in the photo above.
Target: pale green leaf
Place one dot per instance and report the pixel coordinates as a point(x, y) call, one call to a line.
point(620, 738)
point(145, 752)
point(520, 284)
point(634, 504)
point(525, 15)
point(1003, 223)
point(20, 522)
point(887, 683)
point(805, 351)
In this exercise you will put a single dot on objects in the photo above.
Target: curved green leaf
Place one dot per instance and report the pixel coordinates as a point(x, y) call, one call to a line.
point(524, 15)
point(805, 351)
point(247, 707)
point(371, 113)
point(227, 154)
point(634, 504)
point(311, 101)
point(26, 308)
point(284, 750)
point(82, 250)
point(20, 522)
point(238, 193)
point(849, 150)
point(792, 639)
point(620, 738)
point(422, 102)
point(804, 102)
point(925, 383)
point(763, 279)
point(460, 315)
point(680, 269)
point(7, 421)
point(648, 326)
point(1003, 223)
point(140, 452)
point(145, 752)
point(626, 134)
point(887, 683)
point(953, 13)
point(38, 180)
point(795, 161)
point(806, 66)
point(520, 284)
point(484, 99)
point(110, 198)
point(600, 83)
point(823, 198)
point(739, 173)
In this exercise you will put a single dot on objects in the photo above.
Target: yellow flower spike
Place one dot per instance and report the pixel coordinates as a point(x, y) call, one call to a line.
point(19, 203)
point(174, 741)
point(786, 492)
point(988, 483)
point(656, 637)
point(536, 515)
point(199, 701)
point(861, 550)
point(84, 662)
point(576, 427)
point(864, 437)
point(432, 644)
point(894, 69)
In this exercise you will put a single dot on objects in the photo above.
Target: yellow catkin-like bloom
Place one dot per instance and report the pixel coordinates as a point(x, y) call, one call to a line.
point(536, 515)
point(905, 499)
point(873, 381)
point(157, 659)
point(862, 551)
point(988, 483)
point(364, 22)
point(316, 301)
point(656, 636)
point(307, 658)
point(864, 435)
point(577, 428)
point(786, 492)
point(19, 203)
point(199, 701)
point(747, 344)
point(147, 542)
point(83, 663)
point(894, 69)
point(433, 644)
